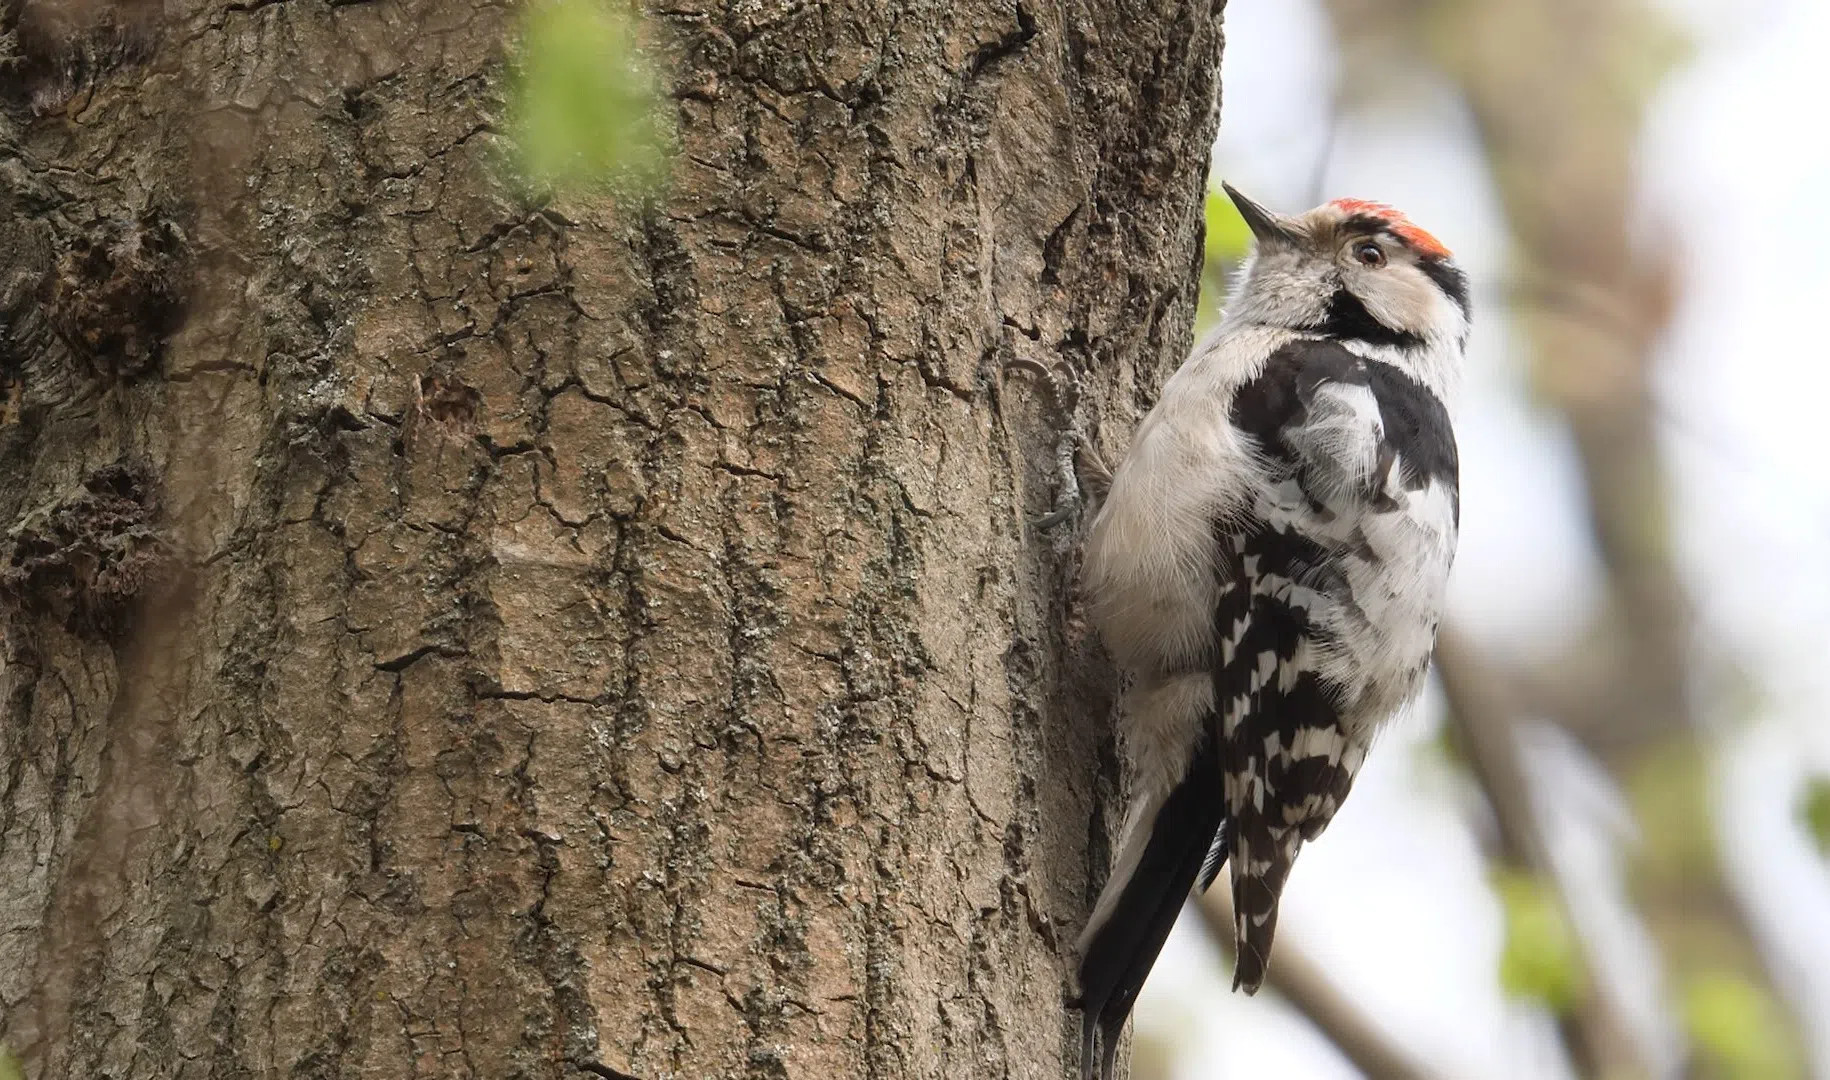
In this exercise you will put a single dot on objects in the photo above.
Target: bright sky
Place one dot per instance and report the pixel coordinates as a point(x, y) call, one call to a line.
point(1392, 900)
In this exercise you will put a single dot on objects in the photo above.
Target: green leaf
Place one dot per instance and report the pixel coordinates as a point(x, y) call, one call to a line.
point(1228, 237)
point(10, 1068)
point(1739, 1028)
point(1540, 959)
point(586, 111)
point(1814, 810)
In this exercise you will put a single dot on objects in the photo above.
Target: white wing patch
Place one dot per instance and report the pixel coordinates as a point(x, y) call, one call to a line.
point(1340, 441)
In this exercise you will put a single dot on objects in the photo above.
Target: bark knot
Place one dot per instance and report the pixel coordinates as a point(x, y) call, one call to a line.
point(83, 559)
point(116, 293)
point(61, 48)
point(449, 400)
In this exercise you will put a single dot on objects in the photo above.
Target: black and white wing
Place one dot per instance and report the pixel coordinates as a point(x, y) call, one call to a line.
point(1331, 590)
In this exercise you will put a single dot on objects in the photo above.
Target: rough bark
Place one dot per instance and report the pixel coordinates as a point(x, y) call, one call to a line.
point(446, 635)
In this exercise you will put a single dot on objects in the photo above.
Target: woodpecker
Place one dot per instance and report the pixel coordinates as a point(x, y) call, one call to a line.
point(1268, 565)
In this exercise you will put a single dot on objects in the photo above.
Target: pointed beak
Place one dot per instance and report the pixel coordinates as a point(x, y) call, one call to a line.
point(1267, 227)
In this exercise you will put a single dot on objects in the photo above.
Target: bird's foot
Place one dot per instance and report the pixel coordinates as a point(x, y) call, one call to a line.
point(1080, 471)
point(1082, 479)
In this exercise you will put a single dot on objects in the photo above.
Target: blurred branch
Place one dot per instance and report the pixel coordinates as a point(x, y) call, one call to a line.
point(1301, 982)
point(1558, 92)
point(1483, 719)
point(1331, 135)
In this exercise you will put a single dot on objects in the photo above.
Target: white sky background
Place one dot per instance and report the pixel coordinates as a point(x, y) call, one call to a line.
point(1735, 163)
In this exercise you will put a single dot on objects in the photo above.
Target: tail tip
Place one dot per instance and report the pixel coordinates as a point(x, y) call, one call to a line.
point(1248, 971)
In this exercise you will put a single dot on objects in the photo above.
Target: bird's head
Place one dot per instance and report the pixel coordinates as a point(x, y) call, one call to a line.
point(1351, 270)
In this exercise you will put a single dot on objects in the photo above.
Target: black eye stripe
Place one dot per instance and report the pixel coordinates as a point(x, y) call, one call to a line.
point(1365, 226)
point(1448, 278)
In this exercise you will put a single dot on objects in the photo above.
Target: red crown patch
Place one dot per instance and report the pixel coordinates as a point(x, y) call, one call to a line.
point(1395, 220)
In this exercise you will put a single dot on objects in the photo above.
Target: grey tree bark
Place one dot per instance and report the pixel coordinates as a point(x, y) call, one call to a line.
point(450, 636)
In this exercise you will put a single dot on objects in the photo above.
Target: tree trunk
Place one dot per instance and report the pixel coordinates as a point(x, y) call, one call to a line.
point(451, 635)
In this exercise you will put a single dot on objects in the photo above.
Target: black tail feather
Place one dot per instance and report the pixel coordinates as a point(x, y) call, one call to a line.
point(1124, 948)
point(1258, 883)
point(1109, 1031)
point(1216, 858)
point(1127, 981)
point(1088, 1029)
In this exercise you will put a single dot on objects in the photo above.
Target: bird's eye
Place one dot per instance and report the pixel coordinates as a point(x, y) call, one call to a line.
point(1369, 253)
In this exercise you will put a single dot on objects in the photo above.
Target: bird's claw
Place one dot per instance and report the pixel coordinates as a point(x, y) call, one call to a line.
point(1078, 465)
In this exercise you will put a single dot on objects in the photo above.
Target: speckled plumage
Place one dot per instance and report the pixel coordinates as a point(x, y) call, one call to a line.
point(1269, 565)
